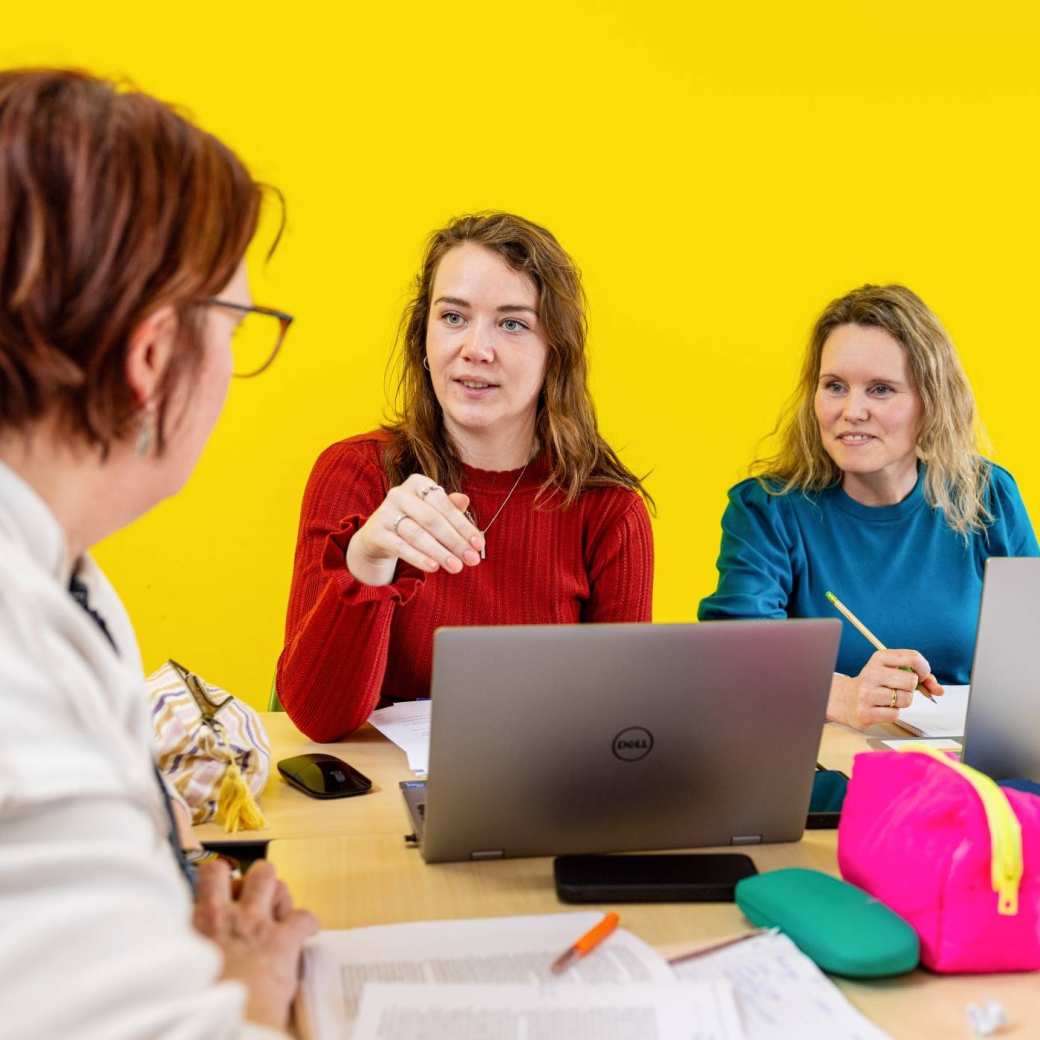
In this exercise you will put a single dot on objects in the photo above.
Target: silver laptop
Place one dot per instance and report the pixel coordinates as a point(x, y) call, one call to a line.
point(605, 738)
point(1002, 730)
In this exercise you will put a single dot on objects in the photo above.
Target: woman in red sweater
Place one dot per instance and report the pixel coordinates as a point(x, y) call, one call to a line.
point(491, 500)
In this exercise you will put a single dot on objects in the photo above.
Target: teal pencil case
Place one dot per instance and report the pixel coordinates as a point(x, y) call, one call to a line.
point(840, 927)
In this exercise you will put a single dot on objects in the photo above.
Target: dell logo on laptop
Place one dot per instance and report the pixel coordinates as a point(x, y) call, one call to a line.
point(632, 744)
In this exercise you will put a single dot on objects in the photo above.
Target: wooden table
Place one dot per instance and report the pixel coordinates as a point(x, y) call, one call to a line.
point(292, 814)
point(347, 861)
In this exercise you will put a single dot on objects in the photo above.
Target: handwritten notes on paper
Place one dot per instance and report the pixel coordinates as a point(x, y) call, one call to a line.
point(780, 993)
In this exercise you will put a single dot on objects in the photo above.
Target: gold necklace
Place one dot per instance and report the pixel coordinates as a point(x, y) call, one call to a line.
point(472, 513)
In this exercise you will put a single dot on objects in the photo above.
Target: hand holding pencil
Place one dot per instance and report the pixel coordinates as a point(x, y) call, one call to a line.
point(888, 680)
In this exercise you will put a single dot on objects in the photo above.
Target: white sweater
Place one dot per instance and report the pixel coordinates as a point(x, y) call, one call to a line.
point(95, 931)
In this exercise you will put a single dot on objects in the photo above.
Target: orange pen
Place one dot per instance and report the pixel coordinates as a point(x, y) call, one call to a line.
point(587, 943)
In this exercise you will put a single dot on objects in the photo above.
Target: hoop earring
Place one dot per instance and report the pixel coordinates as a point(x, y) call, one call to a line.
point(146, 432)
point(426, 362)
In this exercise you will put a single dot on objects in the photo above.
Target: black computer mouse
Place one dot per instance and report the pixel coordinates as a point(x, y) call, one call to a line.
point(324, 776)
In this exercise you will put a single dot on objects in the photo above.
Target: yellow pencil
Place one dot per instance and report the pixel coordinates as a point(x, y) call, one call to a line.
point(868, 635)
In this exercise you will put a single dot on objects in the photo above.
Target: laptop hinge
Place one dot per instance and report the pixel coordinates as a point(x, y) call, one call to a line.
point(746, 839)
point(488, 854)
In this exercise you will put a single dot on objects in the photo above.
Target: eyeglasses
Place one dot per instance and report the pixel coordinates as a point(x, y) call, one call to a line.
point(256, 342)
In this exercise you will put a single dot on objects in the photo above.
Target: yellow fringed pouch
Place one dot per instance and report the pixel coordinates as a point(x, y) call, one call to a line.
point(210, 746)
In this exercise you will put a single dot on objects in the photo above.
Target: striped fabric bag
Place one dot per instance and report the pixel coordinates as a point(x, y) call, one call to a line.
point(210, 746)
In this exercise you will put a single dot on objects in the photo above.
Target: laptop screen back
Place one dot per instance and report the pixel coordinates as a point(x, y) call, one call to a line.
point(595, 738)
point(1002, 732)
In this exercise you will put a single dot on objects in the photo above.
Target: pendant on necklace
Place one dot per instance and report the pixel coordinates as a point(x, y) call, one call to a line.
point(472, 518)
point(472, 515)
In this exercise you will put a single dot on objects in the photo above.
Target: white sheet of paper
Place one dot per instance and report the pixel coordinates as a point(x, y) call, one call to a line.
point(942, 743)
point(943, 718)
point(407, 724)
point(337, 964)
point(662, 1011)
point(780, 993)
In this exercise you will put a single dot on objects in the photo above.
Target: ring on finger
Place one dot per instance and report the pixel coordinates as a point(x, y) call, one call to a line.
point(895, 699)
point(397, 523)
point(429, 491)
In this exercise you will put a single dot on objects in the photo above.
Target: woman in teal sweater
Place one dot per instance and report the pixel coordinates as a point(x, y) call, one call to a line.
point(879, 494)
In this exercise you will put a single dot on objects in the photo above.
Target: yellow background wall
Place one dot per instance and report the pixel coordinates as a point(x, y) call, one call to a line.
point(718, 174)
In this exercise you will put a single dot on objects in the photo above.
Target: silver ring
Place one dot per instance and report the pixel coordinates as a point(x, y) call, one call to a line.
point(428, 490)
point(397, 523)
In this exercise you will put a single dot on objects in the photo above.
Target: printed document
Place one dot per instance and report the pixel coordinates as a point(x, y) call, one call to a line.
point(780, 993)
point(943, 718)
point(509, 950)
point(642, 1011)
point(407, 724)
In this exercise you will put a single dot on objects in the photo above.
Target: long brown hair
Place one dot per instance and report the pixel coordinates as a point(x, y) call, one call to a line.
point(566, 419)
point(112, 205)
point(948, 442)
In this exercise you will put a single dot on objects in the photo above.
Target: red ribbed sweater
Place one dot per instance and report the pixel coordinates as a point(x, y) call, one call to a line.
point(348, 645)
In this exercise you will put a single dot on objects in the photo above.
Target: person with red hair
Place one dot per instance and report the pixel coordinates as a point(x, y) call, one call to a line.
point(123, 229)
point(492, 499)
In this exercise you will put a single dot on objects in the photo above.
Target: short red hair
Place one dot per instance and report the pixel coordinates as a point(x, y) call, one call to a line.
point(112, 205)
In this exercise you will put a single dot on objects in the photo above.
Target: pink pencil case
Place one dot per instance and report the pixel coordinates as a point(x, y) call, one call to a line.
point(949, 851)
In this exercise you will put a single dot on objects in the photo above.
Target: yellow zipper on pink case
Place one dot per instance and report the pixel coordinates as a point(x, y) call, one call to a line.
point(1005, 831)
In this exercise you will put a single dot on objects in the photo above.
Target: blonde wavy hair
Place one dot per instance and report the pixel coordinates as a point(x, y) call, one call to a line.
point(957, 477)
point(566, 421)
